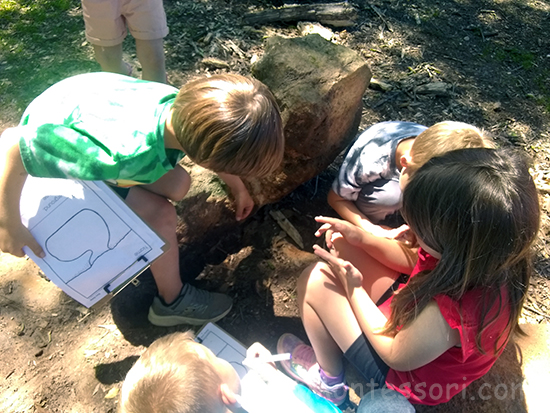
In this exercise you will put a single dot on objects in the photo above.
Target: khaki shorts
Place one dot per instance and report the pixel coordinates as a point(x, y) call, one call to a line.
point(106, 20)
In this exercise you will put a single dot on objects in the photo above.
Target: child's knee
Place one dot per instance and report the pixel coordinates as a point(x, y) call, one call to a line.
point(165, 213)
point(157, 211)
point(313, 278)
point(182, 183)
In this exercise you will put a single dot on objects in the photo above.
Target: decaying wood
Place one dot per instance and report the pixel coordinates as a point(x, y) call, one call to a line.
point(285, 224)
point(435, 88)
point(332, 14)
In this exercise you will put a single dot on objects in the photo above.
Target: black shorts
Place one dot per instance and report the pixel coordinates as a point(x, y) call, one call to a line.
point(367, 362)
point(121, 191)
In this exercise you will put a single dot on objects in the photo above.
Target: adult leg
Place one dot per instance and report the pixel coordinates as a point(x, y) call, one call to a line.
point(110, 59)
point(150, 54)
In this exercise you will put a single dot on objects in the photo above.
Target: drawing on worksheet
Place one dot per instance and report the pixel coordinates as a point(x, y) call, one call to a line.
point(94, 243)
point(224, 346)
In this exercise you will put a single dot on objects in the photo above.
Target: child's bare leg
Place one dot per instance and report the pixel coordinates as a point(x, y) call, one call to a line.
point(328, 319)
point(160, 215)
point(110, 59)
point(173, 185)
point(150, 54)
point(377, 278)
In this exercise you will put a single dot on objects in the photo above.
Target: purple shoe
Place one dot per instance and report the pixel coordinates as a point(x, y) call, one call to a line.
point(303, 367)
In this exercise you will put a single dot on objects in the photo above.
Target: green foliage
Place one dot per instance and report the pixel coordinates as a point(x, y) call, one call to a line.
point(513, 55)
point(40, 43)
point(526, 59)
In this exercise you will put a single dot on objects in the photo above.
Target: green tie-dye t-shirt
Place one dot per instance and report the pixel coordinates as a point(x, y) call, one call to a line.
point(98, 126)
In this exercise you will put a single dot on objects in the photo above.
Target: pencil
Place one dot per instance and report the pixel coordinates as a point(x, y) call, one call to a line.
point(268, 359)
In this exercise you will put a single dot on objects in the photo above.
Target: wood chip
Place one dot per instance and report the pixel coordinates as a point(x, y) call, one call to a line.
point(112, 393)
point(376, 84)
point(285, 224)
point(213, 63)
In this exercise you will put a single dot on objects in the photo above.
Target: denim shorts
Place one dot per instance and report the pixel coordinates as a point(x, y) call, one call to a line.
point(364, 358)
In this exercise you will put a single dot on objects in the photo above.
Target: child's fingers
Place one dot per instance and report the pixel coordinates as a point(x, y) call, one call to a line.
point(327, 256)
point(257, 350)
point(327, 220)
point(322, 229)
point(322, 253)
point(34, 245)
point(353, 274)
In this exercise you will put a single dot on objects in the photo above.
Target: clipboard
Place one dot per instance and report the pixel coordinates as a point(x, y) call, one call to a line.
point(95, 244)
point(266, 390)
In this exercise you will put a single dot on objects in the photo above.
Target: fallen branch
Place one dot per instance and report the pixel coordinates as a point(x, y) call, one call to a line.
point(379, 13)
point(331, 14)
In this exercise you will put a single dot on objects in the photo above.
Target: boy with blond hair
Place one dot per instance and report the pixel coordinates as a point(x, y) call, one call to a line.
point(178, 375)
point(368, 189)
point(132, 134)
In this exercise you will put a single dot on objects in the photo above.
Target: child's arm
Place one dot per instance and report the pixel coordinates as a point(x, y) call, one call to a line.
point(349, 211)
point(422, 341)
point(393, 254)
point(243, 202)
point(13, 234)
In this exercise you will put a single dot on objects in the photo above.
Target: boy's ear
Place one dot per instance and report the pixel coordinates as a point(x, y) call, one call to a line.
point(405, 160)
point(228, 396)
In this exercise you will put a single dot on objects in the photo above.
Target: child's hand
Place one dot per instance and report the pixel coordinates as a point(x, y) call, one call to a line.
point(243, 205)
point(258, 351)
point(14, 238)
point(243, 201)
point(400, 234)
point(347, 274)
point(352, 233)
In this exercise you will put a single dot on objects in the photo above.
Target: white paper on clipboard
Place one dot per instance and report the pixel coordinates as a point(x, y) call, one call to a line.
point(94, 243)
point(266, 391)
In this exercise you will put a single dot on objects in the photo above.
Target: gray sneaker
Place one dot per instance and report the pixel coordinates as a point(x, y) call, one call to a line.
point(193, 306)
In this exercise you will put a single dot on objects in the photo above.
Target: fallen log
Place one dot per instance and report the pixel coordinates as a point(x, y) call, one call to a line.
point(331, 14)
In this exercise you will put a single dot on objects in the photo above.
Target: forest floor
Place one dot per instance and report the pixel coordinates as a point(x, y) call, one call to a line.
point(492, 55)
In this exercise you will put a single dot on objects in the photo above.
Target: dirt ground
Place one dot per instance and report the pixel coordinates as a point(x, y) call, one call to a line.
point(491, 55)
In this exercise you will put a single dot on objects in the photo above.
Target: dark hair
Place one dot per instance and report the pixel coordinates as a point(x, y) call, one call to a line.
point(229, 123)
point(479, 209)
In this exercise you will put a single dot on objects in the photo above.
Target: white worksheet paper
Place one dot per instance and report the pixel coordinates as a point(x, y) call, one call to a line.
point(263, 391)
point(94, 243)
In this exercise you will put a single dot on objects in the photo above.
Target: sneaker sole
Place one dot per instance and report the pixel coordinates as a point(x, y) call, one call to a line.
point(174, 320)
point(286, 363)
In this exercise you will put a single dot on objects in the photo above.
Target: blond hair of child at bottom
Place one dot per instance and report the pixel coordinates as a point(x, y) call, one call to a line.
point(177, 375)
point(444, 137)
